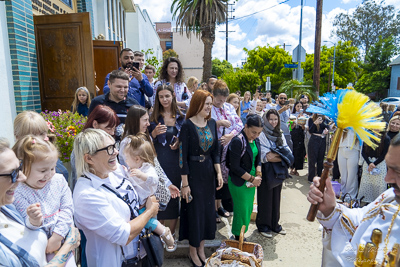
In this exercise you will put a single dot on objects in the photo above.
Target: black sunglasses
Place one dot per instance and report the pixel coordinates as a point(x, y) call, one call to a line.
point(110, 149)
point(284, 98)
point(15, 173)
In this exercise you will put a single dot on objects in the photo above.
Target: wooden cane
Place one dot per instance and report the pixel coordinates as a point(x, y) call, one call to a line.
point(328, 164)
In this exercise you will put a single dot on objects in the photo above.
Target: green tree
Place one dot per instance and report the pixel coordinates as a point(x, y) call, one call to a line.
point(169, 53)
point(241, 80)
point(151, 59)
point(346, 66)
point(295, 89)
point(200, 16)
point(369, 21)
point(376, 71)
point(219, 67)
point(270, 62)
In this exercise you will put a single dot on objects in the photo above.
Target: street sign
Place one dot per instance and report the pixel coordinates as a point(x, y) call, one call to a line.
point(302, 55)
point(291, 66)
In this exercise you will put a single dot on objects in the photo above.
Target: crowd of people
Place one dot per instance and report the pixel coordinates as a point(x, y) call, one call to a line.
point(154, 152)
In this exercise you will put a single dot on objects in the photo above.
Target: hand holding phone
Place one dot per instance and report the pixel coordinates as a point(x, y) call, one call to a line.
point(173, 140)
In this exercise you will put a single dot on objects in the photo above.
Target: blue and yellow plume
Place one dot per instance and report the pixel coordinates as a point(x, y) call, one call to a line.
point(352, 110)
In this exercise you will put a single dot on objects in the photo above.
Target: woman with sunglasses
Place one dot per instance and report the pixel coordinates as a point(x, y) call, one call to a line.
point(19, 245)
point(110, 222)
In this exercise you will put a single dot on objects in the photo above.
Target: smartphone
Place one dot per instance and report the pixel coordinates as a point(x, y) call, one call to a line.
point(136, 65)
point(173, 140)
point(287, 102)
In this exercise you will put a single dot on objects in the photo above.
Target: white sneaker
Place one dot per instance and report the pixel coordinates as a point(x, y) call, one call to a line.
point(266, 234)
point(282, 232)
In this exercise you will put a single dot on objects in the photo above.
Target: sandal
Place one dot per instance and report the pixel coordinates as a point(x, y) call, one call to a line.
point(218, 219)
point(168, 240)
point(222, 212)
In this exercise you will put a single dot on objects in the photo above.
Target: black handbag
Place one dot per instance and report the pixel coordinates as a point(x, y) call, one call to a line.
point(153, 246)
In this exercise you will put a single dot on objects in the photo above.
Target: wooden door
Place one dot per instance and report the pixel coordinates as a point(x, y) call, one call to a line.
point(65, 58)
point(106, 59)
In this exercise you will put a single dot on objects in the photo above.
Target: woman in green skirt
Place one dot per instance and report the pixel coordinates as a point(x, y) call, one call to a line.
point(244, 171)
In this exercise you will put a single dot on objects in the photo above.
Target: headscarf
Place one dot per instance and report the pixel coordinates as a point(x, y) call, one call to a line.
point(273, 134)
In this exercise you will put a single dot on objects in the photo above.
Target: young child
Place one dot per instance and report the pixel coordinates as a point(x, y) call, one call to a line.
point(81, 102)
point(44, 200)
point(139, 156)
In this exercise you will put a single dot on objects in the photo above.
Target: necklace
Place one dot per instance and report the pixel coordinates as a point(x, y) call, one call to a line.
point(385, 250)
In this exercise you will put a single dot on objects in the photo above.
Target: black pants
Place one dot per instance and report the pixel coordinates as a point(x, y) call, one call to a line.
point(316, 154)
point(335, 171)
point(269, 208)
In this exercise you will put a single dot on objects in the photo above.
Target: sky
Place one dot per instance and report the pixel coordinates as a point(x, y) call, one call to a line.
point(277, 24)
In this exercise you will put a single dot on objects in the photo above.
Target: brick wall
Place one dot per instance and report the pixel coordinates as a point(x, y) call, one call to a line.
point(23, 55)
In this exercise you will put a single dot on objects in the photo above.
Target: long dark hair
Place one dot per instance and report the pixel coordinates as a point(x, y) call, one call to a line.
point(275, 112)
point(132, 121)
point(158, 109)
point(164, 73)
point(295, 104)
point(378, 151)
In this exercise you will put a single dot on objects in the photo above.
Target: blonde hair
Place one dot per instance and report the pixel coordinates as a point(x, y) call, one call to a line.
point(76, 102)
point(4, 144)
point(191, 81)
point(392, 107)
point(31, 149)
point(138, 146)
point(230, 98)
point(87, 142)
point(29, 122)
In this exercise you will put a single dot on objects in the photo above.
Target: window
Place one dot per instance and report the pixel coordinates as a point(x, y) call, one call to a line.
point(398, 83)
point(113, 18)
point(168, 45)
point(68, 3)
point(109, 15)
point(123, 24)
point(121, 38)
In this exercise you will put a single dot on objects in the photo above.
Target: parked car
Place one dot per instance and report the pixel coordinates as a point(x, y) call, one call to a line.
point(392, 101)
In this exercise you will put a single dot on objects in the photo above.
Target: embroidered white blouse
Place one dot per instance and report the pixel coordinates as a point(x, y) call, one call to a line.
point(227, 112)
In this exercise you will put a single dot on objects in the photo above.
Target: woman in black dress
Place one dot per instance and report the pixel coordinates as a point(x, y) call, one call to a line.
point(166, 122)
point(199, 161)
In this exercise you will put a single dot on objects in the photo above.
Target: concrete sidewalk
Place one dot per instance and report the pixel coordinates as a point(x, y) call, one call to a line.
point(300, 247)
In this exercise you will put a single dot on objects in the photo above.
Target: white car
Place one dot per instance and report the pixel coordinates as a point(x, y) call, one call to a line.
point(392, 101)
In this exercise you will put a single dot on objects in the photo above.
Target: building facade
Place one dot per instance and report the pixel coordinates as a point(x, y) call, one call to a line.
point(395, 78)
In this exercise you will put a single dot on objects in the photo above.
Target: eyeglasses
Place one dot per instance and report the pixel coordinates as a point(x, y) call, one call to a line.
point(284, 98)
point(15, 173)
point(110, 149)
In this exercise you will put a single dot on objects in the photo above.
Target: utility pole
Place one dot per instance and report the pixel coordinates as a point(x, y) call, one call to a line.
point(299, 76)
point(317, 47)
point(227, 17)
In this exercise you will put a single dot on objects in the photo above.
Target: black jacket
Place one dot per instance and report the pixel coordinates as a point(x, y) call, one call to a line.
point(121, 108)
point(274, 173)
point(240, 165)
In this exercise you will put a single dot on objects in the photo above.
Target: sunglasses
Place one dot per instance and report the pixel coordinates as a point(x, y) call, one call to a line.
point(14, 174)
point(284, 98)
point(110, 149)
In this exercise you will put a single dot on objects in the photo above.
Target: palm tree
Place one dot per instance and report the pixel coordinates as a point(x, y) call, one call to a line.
point(295, 89)
point(200, 16)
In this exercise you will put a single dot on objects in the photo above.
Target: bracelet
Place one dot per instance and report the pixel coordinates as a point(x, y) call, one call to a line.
point(251, 180)
point(258, 173)
point(184, 186)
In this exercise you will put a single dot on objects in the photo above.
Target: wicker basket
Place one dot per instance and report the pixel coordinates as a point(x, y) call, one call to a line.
point(248, 247)
point(228, 259)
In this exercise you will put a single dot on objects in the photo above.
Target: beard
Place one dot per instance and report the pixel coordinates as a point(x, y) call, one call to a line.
point(126, 65)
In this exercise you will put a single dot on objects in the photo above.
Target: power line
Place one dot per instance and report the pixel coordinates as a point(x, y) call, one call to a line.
point(260, 10)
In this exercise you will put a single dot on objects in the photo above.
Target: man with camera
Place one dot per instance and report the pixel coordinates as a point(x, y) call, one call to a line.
point(131, 64)
point(284, 112)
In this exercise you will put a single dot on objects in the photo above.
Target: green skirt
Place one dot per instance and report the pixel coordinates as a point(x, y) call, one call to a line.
point(243, 199)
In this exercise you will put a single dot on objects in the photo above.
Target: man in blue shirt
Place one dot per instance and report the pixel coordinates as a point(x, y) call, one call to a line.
point(138, 83)
point(284, 112)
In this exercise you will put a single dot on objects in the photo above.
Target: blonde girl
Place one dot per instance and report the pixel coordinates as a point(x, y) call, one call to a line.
point(139, 156)
point(31, 122)
point(192, 84)
point(81, 102)
point(44, 199)
point(234, 100)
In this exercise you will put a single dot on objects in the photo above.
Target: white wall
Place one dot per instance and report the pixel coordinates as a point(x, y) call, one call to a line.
point(7, 106)
point(100, 17)
point(141, 33)
point(190, 52)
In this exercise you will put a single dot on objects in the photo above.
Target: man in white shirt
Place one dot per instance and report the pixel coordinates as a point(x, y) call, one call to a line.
point(346, 229)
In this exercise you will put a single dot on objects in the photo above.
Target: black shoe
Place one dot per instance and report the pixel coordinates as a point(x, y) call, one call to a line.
point(222, 212)
point(194, 265)
point(202, 262)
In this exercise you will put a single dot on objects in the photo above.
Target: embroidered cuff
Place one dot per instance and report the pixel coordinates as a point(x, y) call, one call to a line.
point(330, 220)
